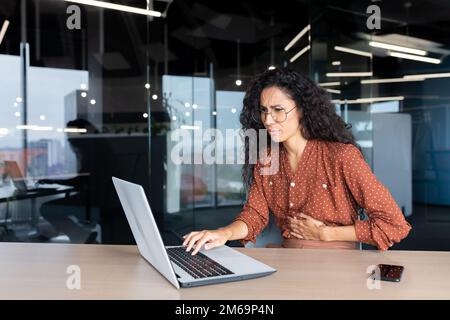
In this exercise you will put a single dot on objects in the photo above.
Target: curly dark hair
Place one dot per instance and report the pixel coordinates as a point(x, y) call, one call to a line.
point(318, 121)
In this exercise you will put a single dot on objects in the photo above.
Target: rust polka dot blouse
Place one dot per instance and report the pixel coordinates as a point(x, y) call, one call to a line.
point(331, 182)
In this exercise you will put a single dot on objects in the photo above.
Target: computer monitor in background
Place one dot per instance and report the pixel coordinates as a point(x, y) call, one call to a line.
point(12, 169)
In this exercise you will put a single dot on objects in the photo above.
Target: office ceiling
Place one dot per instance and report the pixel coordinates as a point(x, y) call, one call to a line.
point(201, 32)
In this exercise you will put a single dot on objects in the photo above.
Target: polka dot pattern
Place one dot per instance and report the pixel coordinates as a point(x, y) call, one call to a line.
point(331, 182)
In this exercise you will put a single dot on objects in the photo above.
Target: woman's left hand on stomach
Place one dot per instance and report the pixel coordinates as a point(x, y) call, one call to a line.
point(305, 227)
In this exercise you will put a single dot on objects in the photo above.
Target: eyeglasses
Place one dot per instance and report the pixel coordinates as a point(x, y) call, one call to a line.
point(278, 114)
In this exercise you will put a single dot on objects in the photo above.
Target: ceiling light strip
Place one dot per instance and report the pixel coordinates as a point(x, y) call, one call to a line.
point(427, 75)
point(353, 51)
point(113, 6)
point(300, 53)
point(388, 46)
point(349, 74)
point(3, 30)
point(413, 57)
point(369, 100)
point(329, 84)
point(297, 37)
point(389, 80)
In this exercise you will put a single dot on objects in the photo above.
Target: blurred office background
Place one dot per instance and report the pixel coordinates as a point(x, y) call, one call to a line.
point(81, 103)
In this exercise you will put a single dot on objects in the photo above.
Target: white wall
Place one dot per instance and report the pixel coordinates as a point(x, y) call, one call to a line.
point(392, 155)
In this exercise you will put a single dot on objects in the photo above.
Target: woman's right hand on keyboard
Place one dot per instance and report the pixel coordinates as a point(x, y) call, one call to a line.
point(210, 238)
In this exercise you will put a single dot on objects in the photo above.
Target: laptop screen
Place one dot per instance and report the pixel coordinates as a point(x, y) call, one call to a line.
point(12, 169)
point(144, 228)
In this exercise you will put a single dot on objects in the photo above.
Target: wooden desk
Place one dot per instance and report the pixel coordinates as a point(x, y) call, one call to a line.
point(38, 271)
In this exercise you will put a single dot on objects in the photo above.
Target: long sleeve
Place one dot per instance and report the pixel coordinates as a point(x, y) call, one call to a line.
point(255, 213)
point(385, 224)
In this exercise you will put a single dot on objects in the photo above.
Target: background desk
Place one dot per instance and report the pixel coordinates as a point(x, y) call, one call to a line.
point(10, 194)
point(38, 271)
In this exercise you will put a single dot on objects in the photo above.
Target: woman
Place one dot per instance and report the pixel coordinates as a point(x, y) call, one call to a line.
point(322, 179)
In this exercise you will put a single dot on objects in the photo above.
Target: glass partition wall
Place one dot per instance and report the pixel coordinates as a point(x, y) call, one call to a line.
point(74, 113)
point(390, 59)
point(89, 93)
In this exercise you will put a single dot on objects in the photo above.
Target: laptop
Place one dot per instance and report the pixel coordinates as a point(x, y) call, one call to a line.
point(20, 182)
point(217, 265)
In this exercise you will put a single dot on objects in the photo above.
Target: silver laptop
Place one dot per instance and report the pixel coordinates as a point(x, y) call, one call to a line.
point(220, 264)
point(20, 182)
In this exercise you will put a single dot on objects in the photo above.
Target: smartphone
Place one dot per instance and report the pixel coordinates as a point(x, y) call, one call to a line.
point(390, 272)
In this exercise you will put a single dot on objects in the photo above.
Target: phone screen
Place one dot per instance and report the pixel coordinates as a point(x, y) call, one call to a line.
point(390, 272)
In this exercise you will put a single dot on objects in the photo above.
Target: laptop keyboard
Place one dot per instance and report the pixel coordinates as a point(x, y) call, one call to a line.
point(198, 266)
